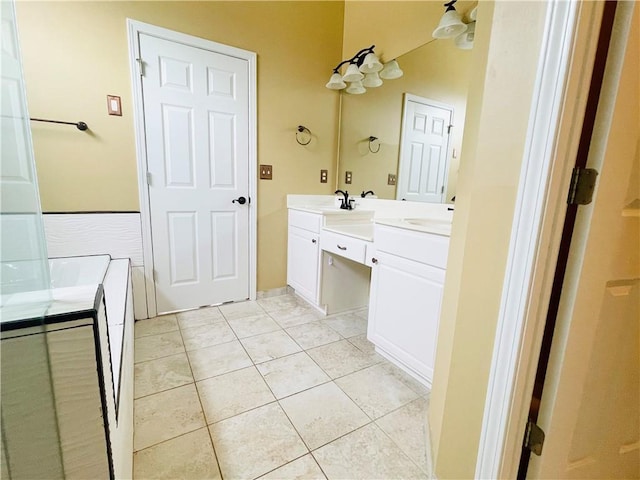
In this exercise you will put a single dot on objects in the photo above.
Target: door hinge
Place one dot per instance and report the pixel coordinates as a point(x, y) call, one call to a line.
point(442, 189)
point(449, 129)
point(534, 438)
point(149, 178)
point(583, 184)
point(155, 275)
point(140, 66)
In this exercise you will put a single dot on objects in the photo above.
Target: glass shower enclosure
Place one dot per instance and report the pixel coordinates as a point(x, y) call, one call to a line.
point(30, 437)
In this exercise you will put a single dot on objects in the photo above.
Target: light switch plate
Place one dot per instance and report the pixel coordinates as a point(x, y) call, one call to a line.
point(391, 179)
point(114, 106)
point(266, 172)
point(348, 176)
point(323, 176)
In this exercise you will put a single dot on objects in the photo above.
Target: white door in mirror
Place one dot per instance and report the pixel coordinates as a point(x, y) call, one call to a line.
point(424, 150)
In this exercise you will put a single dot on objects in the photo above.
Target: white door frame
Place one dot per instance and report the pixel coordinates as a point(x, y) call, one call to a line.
point(135, 28)
point(566, 63)
point(410, 97)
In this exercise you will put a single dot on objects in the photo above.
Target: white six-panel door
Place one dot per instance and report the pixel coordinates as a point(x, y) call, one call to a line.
point(196, 111)
point(424, 150)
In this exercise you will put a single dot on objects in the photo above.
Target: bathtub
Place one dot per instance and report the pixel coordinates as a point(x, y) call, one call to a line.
point(86, 321)
point(73, 281)
point(78, 271)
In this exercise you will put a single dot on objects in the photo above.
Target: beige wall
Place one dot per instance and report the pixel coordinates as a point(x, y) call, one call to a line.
point(438, 71)
point(394, 27)
point(497, 116)
point(75, 53)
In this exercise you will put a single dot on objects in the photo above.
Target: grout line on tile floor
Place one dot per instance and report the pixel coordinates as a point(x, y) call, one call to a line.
point(255, 365)
point(165, 390)
point(396, 443)
point(204, 416)
point(291, 461)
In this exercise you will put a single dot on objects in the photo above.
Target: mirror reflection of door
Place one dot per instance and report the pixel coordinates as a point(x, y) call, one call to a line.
point(424, 150)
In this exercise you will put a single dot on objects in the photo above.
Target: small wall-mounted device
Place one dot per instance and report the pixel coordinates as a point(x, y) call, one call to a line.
point(114, 106)
point(266, 172)
point(391, 179)
point(323, 176)
point(348, 177)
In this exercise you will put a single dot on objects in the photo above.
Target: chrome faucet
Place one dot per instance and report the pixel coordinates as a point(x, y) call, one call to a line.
point(364, 194)
point(345, 203)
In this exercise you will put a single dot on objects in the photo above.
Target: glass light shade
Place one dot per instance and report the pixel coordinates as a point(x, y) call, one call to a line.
point(450, 25)
point(473, 14)
point(356, 88)
point(336, 82)
point(352, 74)
point(464, 41)
point(372, 80)
point(371, 64)
point(391, 70)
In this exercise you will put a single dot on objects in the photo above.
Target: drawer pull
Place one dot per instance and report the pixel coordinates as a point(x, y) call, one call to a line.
point(341, 247)
point(374, 260)
point(313, 240)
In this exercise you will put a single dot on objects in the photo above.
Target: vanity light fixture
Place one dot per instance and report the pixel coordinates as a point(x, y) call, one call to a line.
point(464, 41)
point(364, 70)
point(451, 24)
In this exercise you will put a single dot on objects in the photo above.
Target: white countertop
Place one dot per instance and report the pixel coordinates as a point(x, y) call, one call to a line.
point(427, 225)
point(420, 217)
point(326, 209)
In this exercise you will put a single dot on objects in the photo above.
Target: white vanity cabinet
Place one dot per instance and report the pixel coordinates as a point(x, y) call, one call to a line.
point(406, 295)
point(303, 254)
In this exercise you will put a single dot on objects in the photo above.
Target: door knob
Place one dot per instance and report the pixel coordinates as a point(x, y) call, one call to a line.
point(240, 200)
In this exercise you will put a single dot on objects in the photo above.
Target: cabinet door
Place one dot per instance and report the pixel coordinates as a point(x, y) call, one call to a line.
point(303, 263)
point(404, 311)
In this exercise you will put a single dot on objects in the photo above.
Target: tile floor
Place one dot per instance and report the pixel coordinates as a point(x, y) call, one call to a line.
point(272, 390)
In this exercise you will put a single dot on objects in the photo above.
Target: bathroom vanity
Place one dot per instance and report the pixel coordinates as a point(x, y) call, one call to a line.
point(388, 255)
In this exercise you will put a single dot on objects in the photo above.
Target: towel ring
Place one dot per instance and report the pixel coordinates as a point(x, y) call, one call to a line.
point(301, 130)
point(371, 140)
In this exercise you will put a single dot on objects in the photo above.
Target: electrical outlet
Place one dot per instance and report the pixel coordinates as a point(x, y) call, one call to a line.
point(323, 176)
point(391, 179)
point(348, 177)
point(266, 172)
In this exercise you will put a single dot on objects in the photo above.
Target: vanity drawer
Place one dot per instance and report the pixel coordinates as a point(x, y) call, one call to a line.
point(418, 246)
point(305, 220)
point(348, 247)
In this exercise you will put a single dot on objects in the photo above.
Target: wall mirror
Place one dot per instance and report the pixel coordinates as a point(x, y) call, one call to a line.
point(436, 71)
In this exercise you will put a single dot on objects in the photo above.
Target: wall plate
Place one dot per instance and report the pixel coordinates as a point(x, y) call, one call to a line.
point(266, 172)
point(348, 177)
point(114, 105)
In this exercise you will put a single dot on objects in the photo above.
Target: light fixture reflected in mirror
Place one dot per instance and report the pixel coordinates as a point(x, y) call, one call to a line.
point(391, 71)
point(372, 80)
point(451, 24)
point(464, 41)
point(362, 71)
point(356, 88)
